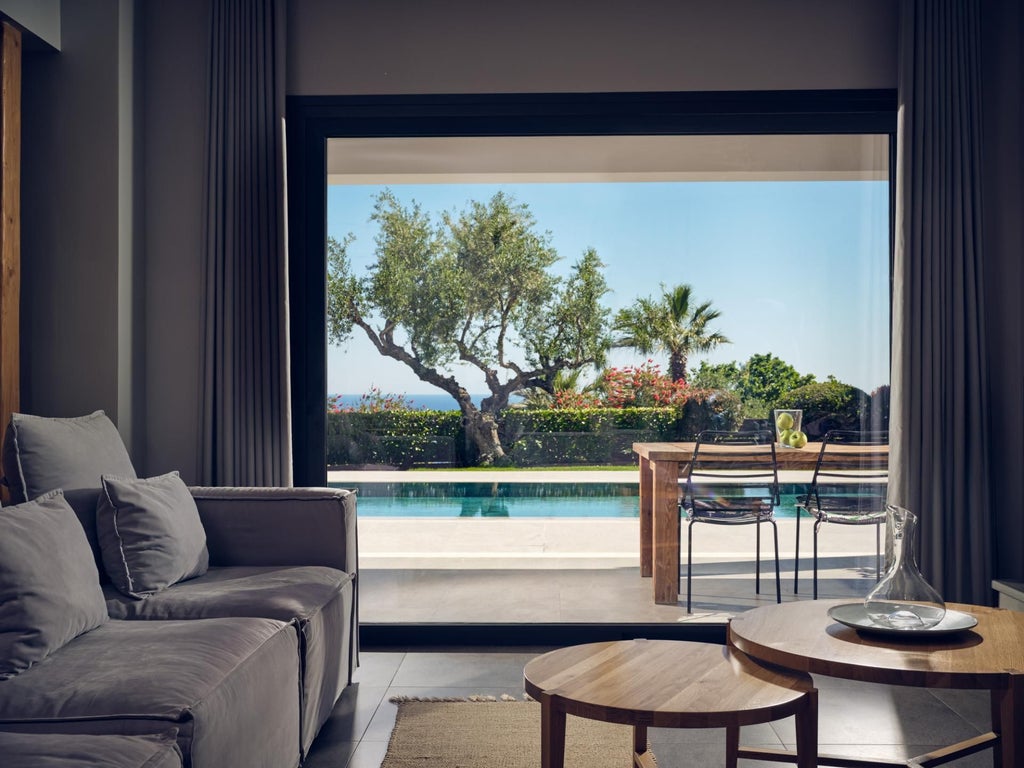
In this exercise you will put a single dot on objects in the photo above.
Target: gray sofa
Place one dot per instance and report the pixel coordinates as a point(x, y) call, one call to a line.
point(244, 649)
point(20, 750)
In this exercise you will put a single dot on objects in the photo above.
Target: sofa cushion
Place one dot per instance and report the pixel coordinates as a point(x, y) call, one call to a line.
point(230, 686)
point(49, 586)
point(318, 598)
point(285, 593)
point(61, 750)
point(41, 454)
point(149, 533)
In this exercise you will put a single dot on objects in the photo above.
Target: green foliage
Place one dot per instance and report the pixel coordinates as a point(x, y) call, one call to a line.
point(878, 419)
point(711, 409)
point(672, 323)
point(716, 376)
point(660, 420)
point(474, 289)
point(394, 437)
point(767, 378)
point(583, 435)
point(827, 405)
point(758, 383)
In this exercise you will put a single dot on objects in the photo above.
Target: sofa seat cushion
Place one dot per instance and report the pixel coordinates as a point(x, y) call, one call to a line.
point(61, 750)
point(321, 600)
point(284, 593)
point(231, 686)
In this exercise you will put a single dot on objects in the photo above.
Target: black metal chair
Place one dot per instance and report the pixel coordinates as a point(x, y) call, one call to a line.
point(732, 479)
point(849, 487)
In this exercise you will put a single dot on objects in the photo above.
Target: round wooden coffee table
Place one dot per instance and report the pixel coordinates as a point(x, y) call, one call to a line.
point(667, 684)
point(801, 636)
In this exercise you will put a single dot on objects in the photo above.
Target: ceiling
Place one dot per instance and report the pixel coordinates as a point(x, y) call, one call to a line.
point(455, 160)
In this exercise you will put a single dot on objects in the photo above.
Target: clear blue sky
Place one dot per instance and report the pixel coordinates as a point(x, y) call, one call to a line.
point(799, 269)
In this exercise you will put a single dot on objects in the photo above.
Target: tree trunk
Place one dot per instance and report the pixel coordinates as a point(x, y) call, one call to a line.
point(677, 367)
point(482, 429)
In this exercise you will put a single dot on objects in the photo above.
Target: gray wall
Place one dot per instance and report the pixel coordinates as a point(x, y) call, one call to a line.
point(72, 215)
point(466, 46)
point(74, 234)
point(39, 18)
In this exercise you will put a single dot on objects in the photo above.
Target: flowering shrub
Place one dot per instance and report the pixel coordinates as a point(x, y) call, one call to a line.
point(642, 386)
point(374, 401)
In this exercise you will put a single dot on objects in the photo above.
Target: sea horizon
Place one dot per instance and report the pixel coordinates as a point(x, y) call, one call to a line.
point(430, 401)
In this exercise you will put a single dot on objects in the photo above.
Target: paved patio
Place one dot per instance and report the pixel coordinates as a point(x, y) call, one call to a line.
point(550, 570)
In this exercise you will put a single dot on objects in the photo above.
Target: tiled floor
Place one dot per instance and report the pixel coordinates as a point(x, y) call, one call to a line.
point(597, 595)
point(856, 719)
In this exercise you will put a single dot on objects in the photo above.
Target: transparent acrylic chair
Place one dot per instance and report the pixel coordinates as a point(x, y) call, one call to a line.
point(849, 487)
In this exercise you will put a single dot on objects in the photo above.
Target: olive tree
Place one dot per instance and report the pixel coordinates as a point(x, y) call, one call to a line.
point(474, 288)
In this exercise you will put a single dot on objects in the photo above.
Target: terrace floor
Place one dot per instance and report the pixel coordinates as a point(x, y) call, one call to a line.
point(577, 570)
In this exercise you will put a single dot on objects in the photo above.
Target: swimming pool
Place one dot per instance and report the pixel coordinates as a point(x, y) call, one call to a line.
point(503, 500)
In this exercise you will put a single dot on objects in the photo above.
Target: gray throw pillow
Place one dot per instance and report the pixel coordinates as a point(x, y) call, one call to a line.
point(150, 533)
point(49, 587)
point(41, 454)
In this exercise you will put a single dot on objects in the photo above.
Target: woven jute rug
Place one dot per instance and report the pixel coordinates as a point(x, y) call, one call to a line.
point(496, 734)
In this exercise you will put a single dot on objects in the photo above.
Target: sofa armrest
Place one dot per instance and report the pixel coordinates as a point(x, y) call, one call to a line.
point(279, 526)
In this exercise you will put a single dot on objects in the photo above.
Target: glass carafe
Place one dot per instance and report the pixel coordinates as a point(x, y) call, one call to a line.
point(902, 599)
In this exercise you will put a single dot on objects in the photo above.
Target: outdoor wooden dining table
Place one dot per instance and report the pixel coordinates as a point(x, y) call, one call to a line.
point(660, 465)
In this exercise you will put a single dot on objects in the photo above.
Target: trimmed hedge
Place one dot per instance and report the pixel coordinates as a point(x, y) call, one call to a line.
point(531, 437)
point(395, 437)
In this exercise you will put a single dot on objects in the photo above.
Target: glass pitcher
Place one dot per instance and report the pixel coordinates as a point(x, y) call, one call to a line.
point(902, 599)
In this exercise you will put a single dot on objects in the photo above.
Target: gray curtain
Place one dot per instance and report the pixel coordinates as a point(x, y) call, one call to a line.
point(246, 435)
point(940, 408)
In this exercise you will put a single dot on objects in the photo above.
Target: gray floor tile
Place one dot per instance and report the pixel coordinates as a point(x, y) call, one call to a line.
point(973, 706)
point(462, 670)
point(353, 713)
point(368, 754)
point(858, 719)
point(378, 668)
point(883, 715)
point(760, 735)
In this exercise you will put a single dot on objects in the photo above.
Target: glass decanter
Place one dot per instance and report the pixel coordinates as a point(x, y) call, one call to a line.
point(902, 599)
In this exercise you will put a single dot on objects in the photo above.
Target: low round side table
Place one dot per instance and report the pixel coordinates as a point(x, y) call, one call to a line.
point(803, 637)
point(667, 684)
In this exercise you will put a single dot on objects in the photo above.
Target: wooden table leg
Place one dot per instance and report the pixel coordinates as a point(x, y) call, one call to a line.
point(646, 527)
point(552, 734)
point(665, 512)
point(639, 739)
point(807, 732)
point(642, 757)
point(1008, 722)
point(732, 746)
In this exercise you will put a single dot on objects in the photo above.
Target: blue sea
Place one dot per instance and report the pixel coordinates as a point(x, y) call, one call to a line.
point(431, 402)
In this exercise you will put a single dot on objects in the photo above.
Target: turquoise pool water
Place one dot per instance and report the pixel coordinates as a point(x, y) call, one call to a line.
point(617, 500)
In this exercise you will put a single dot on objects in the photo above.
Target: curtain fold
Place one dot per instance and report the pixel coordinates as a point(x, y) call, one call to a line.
point(246, 430)
point(940, 407)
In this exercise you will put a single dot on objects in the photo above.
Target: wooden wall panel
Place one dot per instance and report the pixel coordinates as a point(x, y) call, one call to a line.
point(10, 221)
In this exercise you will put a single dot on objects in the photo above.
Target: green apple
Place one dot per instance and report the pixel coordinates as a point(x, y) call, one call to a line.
point(785, 421)
point(784, 436)
point(797, 439)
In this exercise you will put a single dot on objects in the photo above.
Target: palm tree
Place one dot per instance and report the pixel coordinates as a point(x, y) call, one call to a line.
point(671, 324)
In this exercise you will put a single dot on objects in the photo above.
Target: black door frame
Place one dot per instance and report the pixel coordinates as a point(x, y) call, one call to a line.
point(312, 120)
